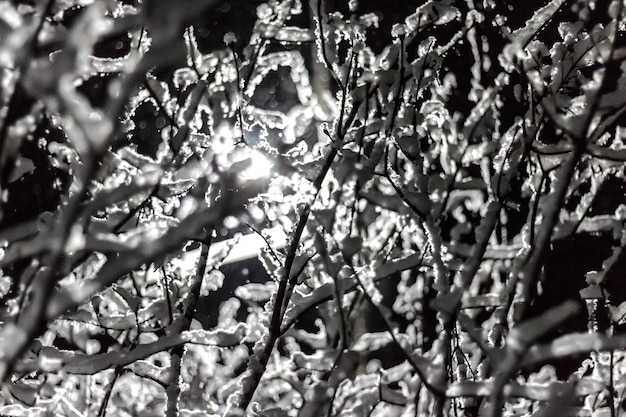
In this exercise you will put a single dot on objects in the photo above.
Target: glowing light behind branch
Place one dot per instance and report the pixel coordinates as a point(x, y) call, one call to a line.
point(250, 245)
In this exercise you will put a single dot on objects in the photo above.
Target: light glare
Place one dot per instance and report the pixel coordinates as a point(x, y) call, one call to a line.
point(260, 167)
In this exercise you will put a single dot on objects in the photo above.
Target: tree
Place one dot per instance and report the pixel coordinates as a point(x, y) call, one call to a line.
point(434, 168)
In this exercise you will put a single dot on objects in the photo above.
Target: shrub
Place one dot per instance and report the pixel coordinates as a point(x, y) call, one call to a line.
point(448, 179)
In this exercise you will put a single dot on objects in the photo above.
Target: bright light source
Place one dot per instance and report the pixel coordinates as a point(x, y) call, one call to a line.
point(259, 166)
